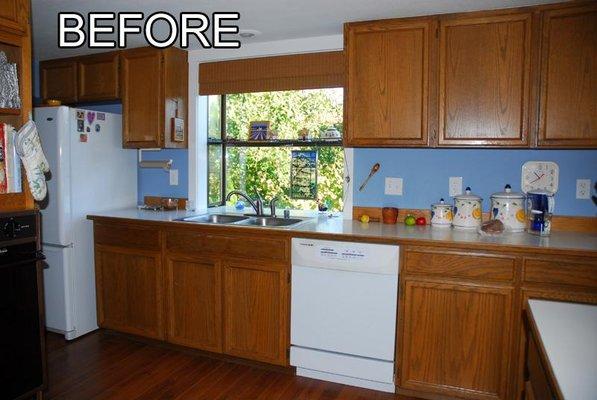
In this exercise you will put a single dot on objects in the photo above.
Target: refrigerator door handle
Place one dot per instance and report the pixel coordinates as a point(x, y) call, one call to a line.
point(58, 246)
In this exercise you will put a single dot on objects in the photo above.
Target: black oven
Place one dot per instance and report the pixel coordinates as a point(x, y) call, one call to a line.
point(21, 308)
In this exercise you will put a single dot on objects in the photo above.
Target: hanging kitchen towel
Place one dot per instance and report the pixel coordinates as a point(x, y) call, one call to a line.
point(34, 160)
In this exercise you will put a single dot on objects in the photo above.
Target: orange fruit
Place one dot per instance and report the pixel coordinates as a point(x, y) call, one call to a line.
point(520, 215)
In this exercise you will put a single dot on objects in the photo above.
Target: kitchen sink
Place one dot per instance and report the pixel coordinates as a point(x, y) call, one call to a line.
point(215, 219)
point(226, 219)
point(270, 221)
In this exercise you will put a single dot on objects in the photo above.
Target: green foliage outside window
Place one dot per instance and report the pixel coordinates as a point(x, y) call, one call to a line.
point(267, 169)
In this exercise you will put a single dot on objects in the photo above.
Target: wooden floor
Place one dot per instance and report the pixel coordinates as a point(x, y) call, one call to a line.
point(107, 366)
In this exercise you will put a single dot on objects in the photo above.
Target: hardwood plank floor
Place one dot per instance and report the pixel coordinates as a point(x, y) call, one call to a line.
point(107, 366)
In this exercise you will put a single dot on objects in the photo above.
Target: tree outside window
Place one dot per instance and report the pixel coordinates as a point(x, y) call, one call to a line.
point(235, 165)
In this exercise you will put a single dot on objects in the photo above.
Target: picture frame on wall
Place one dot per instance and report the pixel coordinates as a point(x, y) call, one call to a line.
point(177, 129)
point(258, 130)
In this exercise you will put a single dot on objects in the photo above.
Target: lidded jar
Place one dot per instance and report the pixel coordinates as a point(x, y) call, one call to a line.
point(467, 210)
point(509, 207)
point(441, 214)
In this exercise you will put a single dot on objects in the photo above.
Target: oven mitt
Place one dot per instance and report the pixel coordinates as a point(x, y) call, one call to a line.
point(32, 155)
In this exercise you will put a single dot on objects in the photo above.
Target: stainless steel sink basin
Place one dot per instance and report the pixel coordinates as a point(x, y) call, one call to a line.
point(215, 219)
point(270, 221)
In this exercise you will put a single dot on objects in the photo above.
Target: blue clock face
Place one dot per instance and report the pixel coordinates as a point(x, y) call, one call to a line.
point(540, 175)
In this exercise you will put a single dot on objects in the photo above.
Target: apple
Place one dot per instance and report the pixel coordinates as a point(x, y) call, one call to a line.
point(421, 221)
point(409, 220)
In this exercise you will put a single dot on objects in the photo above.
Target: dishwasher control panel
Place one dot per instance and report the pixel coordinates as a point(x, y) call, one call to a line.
point(351, 256)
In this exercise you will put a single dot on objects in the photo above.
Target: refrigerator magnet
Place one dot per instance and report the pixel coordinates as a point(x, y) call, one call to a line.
point(80, 125)
point(80, 114)
point(101, 116)
point(90, 117)
point(98, 128)
point(83, 138)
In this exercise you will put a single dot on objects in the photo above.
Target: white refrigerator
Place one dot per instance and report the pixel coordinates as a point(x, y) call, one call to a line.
point(90, 172)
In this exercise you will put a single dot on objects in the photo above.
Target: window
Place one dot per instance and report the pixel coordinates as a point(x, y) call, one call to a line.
point(264, 167)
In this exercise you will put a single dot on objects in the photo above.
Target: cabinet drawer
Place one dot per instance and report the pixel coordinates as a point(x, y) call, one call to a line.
point(459, 265)
point(126, 236)
point(235, 246)
point(561, 272)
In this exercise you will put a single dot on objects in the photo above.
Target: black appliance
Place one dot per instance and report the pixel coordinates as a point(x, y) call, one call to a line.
point(22, 337)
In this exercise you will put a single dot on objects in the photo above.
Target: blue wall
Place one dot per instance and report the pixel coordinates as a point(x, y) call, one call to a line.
point(425, 174)
point(156, 182)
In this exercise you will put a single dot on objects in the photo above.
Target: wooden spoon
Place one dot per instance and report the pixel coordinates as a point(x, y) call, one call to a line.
point(374, 169)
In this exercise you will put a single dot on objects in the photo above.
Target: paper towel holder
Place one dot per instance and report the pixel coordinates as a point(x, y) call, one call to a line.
point(163, 164)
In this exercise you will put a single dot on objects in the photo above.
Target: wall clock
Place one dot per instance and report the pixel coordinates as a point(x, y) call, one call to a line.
point(540, 175)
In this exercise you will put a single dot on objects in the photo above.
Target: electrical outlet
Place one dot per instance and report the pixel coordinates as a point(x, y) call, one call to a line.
point(173, 177)
point(394, 186)
point(583, 189)
point(455, 185)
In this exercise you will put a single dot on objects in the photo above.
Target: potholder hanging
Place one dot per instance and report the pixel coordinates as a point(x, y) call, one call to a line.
point(32, 155)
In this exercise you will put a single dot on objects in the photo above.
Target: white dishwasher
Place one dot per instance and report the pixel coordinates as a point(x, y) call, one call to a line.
point(343, 312)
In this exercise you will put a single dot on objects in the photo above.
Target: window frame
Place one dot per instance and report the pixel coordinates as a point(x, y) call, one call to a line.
point(223, 143)
point(218, 142)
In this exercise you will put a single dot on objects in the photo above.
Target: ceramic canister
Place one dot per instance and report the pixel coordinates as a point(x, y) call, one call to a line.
point(467, 210)
point(508, 207)
point(441, 214)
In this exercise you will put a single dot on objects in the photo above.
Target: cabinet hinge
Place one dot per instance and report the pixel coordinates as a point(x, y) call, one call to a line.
point(289, 280)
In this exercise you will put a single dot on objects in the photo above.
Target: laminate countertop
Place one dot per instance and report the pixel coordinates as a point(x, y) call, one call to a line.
point(322, 226)
point(568, 333)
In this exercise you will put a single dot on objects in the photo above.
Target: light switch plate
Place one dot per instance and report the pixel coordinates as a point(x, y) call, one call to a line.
point(455, 185)
point(583, 189)
point(173, 177)
point(394, 186)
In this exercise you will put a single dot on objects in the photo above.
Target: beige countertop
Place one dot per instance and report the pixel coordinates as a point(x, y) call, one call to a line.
point(337, 228)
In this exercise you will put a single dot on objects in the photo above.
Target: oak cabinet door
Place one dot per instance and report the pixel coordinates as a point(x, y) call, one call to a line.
point(129, 291)
point(142, 98)
point(59, 80)
point(568, 104)
point(484, 80)
point(388, 82)
point(98, 77)
point(256, 310)
point(456, 339)
point(194, 293)
point(14, 15)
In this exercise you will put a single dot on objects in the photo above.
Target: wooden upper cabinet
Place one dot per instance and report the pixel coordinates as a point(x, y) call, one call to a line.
point(141, 80)
point(59, 80)
point(484, 80)
point(388, 89)
point(456, 339)
point(14, 15)
point(98, 78)
point(568, 103)
point(194, 302)
point(154, 90)
point(256, 310)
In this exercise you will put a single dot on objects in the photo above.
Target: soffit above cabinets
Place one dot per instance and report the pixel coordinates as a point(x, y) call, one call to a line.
point(276, 19)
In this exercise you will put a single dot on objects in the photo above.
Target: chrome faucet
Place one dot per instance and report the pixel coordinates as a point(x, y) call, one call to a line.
point(257, 204)
point(272, 207)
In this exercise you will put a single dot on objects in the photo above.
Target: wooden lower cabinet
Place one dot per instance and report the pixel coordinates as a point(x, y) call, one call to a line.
point(193, 298)
point(455, 338)
point(256, 310)
point(129, 290)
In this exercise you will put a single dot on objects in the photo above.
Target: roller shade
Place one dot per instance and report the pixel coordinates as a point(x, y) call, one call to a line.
point(265, 74)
